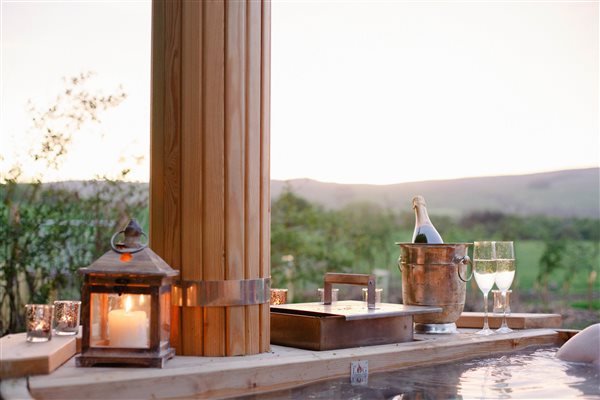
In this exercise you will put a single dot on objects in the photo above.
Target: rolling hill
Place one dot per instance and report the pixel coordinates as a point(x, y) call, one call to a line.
point(568, 193)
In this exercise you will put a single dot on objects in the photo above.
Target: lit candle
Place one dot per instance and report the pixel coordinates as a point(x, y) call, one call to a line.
point(64, 321)
point(127, 328)
point(66, 317)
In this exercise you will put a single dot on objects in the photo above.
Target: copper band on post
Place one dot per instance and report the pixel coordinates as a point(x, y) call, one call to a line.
point(225, 293)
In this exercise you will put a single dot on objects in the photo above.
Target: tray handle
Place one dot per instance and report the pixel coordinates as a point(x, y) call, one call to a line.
point(349, 279)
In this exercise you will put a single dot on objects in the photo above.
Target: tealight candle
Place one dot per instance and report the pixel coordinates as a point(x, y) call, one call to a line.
point(278, 296)
point(39, 322)
point(378, 292)
point(499, 302)
point(66, 317)
point(128, 328)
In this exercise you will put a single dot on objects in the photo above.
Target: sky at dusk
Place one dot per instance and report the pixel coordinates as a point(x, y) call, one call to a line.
point(362, 92)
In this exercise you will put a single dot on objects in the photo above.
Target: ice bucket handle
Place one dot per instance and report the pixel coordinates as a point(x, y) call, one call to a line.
point(463, 260)
point(349, 279)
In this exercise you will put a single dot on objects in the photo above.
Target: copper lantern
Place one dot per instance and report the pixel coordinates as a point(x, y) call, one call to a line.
point(126, 303)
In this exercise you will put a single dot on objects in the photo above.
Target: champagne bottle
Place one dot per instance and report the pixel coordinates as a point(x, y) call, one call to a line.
point(424, 232)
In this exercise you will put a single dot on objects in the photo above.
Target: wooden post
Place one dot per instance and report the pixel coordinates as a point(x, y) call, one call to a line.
point(209, 178)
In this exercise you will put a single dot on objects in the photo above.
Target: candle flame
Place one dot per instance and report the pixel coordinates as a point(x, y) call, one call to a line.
point(127, 303)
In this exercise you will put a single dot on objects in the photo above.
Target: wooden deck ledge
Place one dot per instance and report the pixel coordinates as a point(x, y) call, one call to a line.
point(283, 367)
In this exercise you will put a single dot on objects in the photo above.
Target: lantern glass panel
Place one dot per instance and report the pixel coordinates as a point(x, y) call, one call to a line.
point(120, 321)
point(165, 315)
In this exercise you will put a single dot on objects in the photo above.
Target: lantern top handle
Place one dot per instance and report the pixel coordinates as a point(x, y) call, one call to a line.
point(132, 243)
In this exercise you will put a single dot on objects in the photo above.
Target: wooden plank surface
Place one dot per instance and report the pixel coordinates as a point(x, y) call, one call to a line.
point(165, 149)
point(265, 167)
point(514, 320)
point(191, 190)
point(213, 217)
point(284, 367)
point(235, 166)
point(19, 358)
point(253, 171)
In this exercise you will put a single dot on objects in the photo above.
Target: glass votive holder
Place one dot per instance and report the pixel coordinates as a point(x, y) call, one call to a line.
point(278, 296)
point(66, 317)
point(499, 302)
point(334, 294)
point(378, 292)
point(38, 319)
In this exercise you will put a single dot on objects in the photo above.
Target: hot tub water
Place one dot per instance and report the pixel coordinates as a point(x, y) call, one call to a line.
point(526, 374)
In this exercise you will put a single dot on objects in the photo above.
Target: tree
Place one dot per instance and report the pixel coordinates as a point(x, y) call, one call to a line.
point(551, 260)
point(47, 233)
point(580, 258)
point(297, 243)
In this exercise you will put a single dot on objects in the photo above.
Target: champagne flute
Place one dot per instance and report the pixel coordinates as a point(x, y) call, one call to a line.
point(484, 270)
point(505, 273)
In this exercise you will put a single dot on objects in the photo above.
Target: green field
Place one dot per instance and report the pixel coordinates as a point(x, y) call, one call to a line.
point(528, 255)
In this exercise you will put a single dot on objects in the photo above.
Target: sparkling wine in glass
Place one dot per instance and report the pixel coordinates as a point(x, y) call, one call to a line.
point(505, 273)
point(484, 270)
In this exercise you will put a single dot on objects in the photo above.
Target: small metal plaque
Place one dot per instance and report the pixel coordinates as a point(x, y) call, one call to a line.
point(359, 372)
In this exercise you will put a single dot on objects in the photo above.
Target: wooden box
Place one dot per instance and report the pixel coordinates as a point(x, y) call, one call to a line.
point(343, 324)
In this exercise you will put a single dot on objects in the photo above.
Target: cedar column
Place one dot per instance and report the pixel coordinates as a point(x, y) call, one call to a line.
point(209, 178)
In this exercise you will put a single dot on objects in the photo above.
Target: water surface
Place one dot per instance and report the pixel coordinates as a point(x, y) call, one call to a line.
point(527, 374)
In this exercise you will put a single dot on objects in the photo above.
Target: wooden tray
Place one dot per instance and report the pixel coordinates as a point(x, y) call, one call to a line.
point(19, 357)
point(514, 320)
point(344, 324)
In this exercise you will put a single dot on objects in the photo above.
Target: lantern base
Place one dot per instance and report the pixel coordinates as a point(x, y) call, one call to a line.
point(96, 357)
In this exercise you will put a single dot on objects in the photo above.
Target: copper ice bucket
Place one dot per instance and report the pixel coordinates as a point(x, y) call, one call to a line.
point(435, 275)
